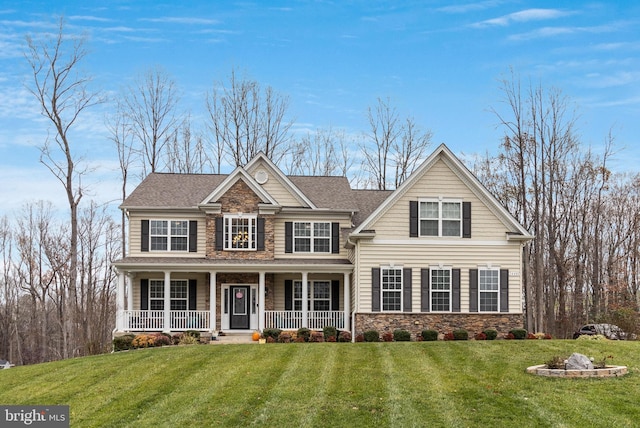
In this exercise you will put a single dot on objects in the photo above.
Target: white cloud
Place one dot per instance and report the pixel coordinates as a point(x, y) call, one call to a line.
point(469, 7)
point(182, 20)
point(522, 16)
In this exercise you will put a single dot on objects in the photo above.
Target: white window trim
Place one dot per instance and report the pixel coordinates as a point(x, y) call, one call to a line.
point(431, 290)
point(160, 282)
point(497, 292)
point(168, 236)
point(312, 237)
point(253, 231)
point(310, 298)
point(440, 201)
point(382, 290)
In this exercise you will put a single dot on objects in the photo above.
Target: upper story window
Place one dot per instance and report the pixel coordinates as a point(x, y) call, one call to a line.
point(170, 235)
point(391, 289)
point(440, 218)
point(312, 237)
point(240, 232)
point(489, 289)
point(440, 290)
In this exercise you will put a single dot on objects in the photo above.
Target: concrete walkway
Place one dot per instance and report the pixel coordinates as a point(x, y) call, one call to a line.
point(233, 338)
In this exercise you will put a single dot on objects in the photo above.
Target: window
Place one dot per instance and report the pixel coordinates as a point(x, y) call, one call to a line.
point(178, 293)
point(440, 218)
point(489, 289)
point(169, 234)
point(240, 232)
point(440, 290)
point(318, 294)
point(312, 237)
point(391, 290)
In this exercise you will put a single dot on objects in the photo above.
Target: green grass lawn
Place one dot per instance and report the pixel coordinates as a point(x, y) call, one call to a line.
point(435, 384)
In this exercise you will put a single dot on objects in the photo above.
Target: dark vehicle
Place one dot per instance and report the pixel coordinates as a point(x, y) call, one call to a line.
point(610, 331)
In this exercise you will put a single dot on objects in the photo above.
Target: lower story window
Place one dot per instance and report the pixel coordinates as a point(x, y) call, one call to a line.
point(178, 293)
point(318, 295)
point(391, 282)
point(489, 289)
point(440, 290)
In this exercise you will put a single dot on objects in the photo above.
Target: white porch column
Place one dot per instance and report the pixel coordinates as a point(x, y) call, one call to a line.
point(167, 302)
point(212, 301)
point(120, 302)
point(130, 292)
point(305, 301)
point(347, 300)
point(261, 289)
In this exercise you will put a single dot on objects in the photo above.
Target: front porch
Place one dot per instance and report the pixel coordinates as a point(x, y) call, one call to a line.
point(138, 320)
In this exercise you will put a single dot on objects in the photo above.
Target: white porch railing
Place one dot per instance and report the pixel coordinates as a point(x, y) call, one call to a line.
point(292, 320)
point(154, 320)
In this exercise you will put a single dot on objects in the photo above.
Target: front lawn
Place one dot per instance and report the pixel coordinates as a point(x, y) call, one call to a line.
point(435, 384)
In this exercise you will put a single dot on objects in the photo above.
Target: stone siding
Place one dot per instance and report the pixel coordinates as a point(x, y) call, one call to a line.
point(442, 323)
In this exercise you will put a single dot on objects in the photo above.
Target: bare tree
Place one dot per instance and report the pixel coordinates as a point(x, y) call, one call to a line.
point(246, 119)
point(324, 152)
point(63, 95)
point(186, 152)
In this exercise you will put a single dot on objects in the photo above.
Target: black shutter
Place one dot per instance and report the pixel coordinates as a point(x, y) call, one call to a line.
point(144, 294)
point(335, 238)
point(193, 294)
point(375, 289)
point(193, 236)
point(466, 219)
point(288, 237)
point(260, 225)
point(219, 245)
point(473, 290)
point(504, 290)
point(144, 235)
point(288, 295)
point(424, 290)
point(455, 290)
point(335, 295)
point(413, 218)
point(406, 290)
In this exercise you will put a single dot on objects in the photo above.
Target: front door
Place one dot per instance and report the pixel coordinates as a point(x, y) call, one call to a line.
point(239, 307)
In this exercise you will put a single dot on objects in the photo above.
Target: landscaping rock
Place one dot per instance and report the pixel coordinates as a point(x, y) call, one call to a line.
point(579, 362)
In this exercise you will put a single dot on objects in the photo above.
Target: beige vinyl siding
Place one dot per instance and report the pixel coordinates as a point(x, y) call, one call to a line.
point(279, 279)
point(274, 187)
point(279, 239)
point(503, 256)
point(135, 231)
point(440, 181)
point(202, 299)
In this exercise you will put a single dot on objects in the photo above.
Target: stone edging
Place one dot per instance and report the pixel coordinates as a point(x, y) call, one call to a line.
point(609, 371)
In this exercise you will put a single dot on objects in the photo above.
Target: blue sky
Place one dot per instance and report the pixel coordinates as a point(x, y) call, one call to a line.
point(437, 61)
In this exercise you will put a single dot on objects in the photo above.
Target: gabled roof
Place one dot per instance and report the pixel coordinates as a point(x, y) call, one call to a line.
point(238, 174)
point(443, 153)
point(167, 190)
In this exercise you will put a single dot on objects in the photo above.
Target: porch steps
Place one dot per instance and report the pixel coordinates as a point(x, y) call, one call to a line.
point(228, 338)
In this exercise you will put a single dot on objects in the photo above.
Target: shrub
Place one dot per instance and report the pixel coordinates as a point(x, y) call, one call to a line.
point(429, 335)
point(316, 337)
point(161, 339)
point(344, 336)
point(449, 336)
point(556, 362)
point(193, 333)
point(299, 339)
point(143, 341)
point(360, 337)
point(401, 336)
point(531, 336)
point(592, 337)
point(330, 339)
point(519, 333)
point(509, 336)
point(480, 336)
point(122, 343)
point(273, 333)
point(188, 339)
point(304, 333)
point(387, 336)
point(371, 336)
point(270, 339)
point(329, 331)
point(460, 334)
point(176, 338)
point(284, 338)
point(491, 334)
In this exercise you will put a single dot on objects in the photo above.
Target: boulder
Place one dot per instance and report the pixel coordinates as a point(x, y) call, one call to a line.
point(579, 362)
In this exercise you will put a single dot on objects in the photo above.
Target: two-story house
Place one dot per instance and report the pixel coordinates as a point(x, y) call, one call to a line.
point(258, 249)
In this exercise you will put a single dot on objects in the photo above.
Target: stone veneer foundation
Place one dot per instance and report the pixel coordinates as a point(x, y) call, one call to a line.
point(609, 371)
point(442, 323)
